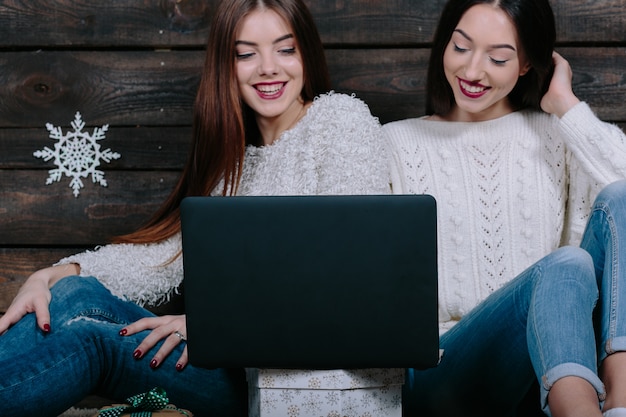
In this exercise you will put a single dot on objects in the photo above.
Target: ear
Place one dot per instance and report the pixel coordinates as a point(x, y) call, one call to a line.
point(525, 68)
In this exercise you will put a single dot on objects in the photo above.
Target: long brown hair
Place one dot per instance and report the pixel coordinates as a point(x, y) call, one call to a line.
point(222, 123)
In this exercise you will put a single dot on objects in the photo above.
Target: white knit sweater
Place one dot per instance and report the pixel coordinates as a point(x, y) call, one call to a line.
point(336, 148)
point(508, 191)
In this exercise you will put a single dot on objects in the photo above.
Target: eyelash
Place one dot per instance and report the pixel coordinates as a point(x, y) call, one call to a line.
point(284, 51)
point(457, 48)
point(495, 61)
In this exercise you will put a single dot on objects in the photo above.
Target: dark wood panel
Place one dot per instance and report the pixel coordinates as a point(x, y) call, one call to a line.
point(33, 213)
point(141, 148)
point(104, 23)
point(590, 20)
point(391, 81)
point(124, 88)
point(167, 23)
point(157, 89)
point(16, 264)
point(599, 79)
point(376, 22)
point(186, 22)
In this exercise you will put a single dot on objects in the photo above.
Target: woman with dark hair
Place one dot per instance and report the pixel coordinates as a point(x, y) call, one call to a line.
point(515, 162)
point(264, 123)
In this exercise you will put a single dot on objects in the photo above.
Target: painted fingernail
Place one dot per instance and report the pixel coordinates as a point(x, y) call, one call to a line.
point(123, 332)
point(137, 354)
point(154, 363)
point(46, 328)
point(179, 367)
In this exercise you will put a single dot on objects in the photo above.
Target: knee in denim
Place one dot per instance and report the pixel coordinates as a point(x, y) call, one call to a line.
point(616, 191)
point(575, 257)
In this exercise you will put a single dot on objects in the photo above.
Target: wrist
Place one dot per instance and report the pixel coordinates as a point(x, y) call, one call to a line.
point(53, 274)
point(566, 105)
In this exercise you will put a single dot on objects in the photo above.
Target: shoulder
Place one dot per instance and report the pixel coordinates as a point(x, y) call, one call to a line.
point(417, 124)
point(409, 129)
point(339, 105)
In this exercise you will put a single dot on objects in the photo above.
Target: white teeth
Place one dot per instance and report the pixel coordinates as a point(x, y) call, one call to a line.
point(269, 89)
point(472, 88)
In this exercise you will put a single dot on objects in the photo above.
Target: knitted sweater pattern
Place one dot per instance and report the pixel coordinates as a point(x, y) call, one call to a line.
point(336, 148)
point(509, 191)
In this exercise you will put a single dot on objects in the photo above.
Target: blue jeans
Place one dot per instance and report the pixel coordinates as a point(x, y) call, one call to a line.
point(44, 374)
point(541, 326)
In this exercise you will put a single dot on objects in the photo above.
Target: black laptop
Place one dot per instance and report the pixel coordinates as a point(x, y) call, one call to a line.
point(311, 282)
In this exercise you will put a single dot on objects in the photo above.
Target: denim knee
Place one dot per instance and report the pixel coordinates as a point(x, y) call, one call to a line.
point(613, 193)
point(77, 290)
point(578, 259)
point(77, 297)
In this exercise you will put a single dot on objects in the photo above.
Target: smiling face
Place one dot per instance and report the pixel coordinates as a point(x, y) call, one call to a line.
point(482, 63)
point(269, 69)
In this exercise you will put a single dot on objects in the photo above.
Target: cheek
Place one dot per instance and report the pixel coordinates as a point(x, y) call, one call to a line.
point(294, 67)
point(243, 71)
point(451, 62)
point(449, 69)
point(508, 79)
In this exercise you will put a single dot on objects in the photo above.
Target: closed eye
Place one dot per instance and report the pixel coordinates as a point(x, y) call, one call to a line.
point(499, 61)
point(244, 55)
point(457, 48)
point(287, 51)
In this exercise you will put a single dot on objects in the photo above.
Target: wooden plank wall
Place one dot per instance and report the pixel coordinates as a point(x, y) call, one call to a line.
point(135, 66)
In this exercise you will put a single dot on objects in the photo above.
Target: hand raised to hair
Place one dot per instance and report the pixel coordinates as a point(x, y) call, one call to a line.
point(171, 329)
point(559, 98)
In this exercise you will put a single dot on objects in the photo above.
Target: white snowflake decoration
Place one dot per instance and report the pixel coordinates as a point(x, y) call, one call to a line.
point(76, 154)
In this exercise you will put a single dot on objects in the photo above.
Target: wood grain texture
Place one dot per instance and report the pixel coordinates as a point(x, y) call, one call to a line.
point(32, 213)
point(185, 23)
point(123, 88)
point(141, 147)
point(78, 23)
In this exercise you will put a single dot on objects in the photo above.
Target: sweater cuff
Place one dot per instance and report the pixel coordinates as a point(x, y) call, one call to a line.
point(577, 121)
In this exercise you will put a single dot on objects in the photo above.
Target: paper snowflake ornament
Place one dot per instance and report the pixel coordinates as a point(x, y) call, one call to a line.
point(76, 154)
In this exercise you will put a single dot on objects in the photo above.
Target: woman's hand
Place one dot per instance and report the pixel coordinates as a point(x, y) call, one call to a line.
point(34, 296)
point(172, 329)
point(559, 98)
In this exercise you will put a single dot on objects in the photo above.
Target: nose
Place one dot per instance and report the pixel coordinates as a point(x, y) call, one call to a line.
point(267, 64)
point(474, 68)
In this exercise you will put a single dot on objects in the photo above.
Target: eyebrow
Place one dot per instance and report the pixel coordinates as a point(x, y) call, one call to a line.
point(496, 46)
point(277, 40)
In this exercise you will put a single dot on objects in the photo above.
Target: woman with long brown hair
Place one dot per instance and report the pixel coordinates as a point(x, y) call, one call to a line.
point(264, 123)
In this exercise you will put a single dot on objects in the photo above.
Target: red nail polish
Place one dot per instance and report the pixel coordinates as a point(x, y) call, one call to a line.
point(137, 354)
point(123, 332)
point(179, 367)
point(153, 363)
point(46, 328)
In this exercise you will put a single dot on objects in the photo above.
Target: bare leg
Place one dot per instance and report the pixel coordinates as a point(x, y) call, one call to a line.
point(614, 378)
point(573, 397)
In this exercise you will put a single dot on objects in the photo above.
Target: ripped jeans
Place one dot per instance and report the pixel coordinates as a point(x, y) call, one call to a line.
point(540, 326)
point(44, 374)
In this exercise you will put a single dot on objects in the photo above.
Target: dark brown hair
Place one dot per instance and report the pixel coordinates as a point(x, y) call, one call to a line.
point(534, 21)
point(222, 123)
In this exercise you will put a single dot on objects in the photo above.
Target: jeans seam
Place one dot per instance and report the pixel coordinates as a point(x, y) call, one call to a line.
point(605, 210)
point(95, 313)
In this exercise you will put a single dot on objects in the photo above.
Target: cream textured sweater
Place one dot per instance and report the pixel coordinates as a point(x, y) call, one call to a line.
point(508, 191)
point(336, 148)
